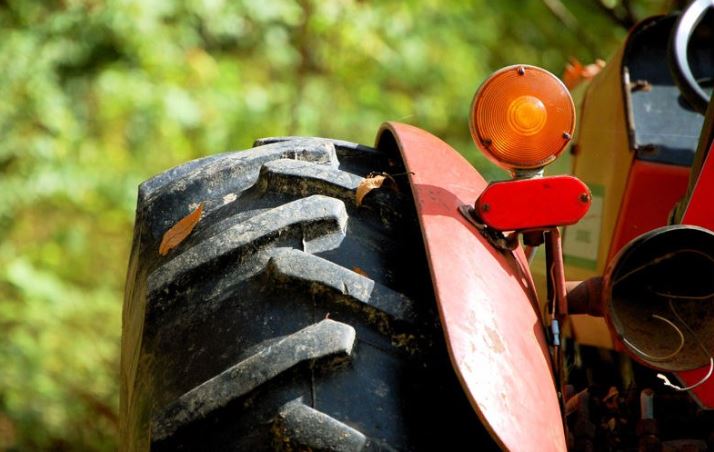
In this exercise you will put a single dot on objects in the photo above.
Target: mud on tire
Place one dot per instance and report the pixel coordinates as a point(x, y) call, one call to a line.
point(290, 318)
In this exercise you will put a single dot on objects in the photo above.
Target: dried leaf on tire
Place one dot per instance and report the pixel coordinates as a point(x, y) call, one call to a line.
point(178, 232)
point(371, 182)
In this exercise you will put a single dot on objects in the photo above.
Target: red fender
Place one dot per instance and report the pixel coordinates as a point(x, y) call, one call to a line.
point(486, 299)
point(700, 212)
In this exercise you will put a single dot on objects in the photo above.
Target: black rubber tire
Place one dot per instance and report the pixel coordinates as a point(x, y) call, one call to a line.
point(290, 318)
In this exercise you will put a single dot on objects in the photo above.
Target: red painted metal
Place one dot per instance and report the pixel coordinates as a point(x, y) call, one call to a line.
point(700, 212)
point(652, 191)
point(557, 292)
point(486, 300)
point(537, 203)
point(700, 209)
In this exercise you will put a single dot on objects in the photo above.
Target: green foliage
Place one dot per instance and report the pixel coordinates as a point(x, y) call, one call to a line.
point(99, 95)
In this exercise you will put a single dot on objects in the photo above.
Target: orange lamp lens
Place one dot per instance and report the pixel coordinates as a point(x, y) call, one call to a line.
point(522, 117)
point(527, 115)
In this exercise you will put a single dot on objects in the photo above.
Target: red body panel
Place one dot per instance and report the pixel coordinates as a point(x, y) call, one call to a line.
point(486, 300)
point(652, 191)
point(700, 212)
point(650, 195)
point(538, 203)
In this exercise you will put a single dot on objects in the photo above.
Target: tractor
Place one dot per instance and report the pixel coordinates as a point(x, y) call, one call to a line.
point(317, 294)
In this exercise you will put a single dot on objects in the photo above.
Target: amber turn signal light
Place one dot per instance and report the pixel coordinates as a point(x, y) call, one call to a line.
point(522, 117)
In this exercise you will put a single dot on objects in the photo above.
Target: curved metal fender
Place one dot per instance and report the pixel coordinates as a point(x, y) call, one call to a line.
point(486, 299)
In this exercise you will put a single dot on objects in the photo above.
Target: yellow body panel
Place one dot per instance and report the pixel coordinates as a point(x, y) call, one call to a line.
point(602, 160)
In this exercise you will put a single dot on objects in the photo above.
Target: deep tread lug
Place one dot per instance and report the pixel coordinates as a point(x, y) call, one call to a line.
point(164, 203)
point(321, 340)
point(297, 426)
point(289, 265)
point(340, 145)
point(304, 178)
point(315, 216)
point(151, 186)
point(351, 155)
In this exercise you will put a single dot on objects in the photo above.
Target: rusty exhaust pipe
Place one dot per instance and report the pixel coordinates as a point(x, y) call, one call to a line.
point(585, 297)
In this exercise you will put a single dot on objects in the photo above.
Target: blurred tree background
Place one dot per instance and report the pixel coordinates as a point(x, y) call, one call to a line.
point(98, 95)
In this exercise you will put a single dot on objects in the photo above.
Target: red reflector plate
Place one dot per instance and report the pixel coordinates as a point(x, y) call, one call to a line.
point(533, 203)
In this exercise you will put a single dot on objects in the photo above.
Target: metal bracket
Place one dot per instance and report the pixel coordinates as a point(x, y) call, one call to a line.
point(496, 238)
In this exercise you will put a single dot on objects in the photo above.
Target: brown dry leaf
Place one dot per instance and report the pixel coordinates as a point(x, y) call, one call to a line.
point(359, 271)
point(372, 181)
point(178, 232)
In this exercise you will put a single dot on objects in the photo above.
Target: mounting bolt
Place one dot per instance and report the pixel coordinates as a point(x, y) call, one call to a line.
point(567, 136)
point(584, 197)
point(485, 207)
point(521, 70)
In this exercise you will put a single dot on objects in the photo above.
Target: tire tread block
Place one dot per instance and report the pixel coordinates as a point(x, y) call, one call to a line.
point(324, 339)
point(298, 426)
point(164, 197)
point(305, 178)
point(315, 217)
point(289, 265)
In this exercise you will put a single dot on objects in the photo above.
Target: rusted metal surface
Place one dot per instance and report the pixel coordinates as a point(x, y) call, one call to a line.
point(486, 300)
point(585, 297)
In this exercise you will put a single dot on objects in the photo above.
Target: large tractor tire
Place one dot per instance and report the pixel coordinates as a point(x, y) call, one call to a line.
point(290, 318)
